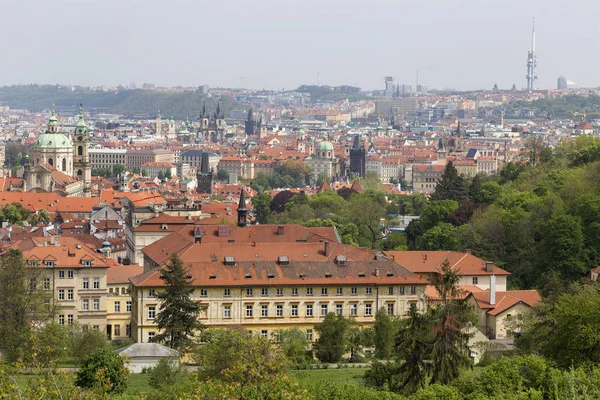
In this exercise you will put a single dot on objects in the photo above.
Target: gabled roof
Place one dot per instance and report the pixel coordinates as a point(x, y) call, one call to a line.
point(505, 300)
point(428, 262)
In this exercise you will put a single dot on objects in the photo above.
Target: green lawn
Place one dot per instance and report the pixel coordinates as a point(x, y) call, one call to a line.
point(337, 375)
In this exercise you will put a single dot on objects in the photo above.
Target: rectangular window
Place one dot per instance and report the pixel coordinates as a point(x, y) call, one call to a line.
point(86, 283)
point(96, 283)
point(85, 305)
point(279, 291)
point(309, 291)
point(117, 330)
point(413, 306)
point(96, 304)
point(227, 292)
point(70, 319)
point(46, 283)
point(354, 309)
point(338, 309)
point(323, 309)
point(391, 290)
point(61, 319)
point(277, 336)
point(249, 292)
point(354, 290)
point(203, 292)
point(390, 308)
point(264, 310)
point(69, 294)
point(401, 290)
point(151, 312)
point(123, 291)
point(368, 309)
point(264, 333)
point(324, 291)
point(151, 293)
point(227, 311)
point(61, 274)
point(309, 335)
point(61, 294)
point(413, 290)
point(294, 310)
point(128, 306)
point(151, 336)
point(369, 290)
point(279, 310)
point(70, 274)
point(117, 306)
point(248, 311)
point(295, 291)
point(264, 291)
point(339, 291)
point(127, 330)
point(475, 280)
point(309, 310)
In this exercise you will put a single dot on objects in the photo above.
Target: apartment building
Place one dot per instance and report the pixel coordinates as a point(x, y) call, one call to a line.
point(267, 296)
point(134, 159)
point(76, 275)
point(106, 157)
point(154, 168)
point(426, 176)
point(118, 301)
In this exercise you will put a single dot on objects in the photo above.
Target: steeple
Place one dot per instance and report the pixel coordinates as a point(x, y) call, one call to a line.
point(242, 210)
point(218, 112)
point(52, 122)
point(204, 109)
point(81, 127)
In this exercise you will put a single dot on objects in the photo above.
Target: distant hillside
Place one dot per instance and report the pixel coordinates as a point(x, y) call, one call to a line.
point(128, 102)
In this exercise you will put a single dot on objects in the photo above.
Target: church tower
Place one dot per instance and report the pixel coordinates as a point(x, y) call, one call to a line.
point(81, 158)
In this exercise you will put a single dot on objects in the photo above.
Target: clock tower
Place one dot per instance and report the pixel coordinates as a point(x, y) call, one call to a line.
point(81, 158)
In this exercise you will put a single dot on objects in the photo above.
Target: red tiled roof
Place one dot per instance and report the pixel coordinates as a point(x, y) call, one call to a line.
point(505, 300)
point(430, 262)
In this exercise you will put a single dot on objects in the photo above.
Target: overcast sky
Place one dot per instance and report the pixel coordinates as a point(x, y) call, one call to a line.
point(275, 44)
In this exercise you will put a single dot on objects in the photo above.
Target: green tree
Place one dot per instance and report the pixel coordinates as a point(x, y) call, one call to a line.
point(367, 215)
point(118, 169)
point(223, 175)
point(41, 217)
point(161, 175)
point(443, 236)
point(45, 346)
point(14, 213)
point(294, 344)
point(321, 178)
point(164, 375)
point(85, 341)
point(413, 346)
point(261, 207)
point(332, 341)
point(384, 335)
point(437, 211)
point(394, 241)
point(103, 370)
point(451, 186)
point(58, 218)
point(177, 319)
point(144, 172)
point(24, 305)
point(412, 204)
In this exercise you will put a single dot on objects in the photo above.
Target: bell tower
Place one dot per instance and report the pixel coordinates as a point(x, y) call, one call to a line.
point(81, 158)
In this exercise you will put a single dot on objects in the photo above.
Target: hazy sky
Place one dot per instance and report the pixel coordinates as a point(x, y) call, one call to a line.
point(274, 44)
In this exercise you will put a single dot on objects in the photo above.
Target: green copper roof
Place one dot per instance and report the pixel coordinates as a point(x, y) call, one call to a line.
point(53, 120)
point(325, 145)
point(52, 141)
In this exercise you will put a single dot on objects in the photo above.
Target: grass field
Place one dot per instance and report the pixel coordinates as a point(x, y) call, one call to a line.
point(138, 383)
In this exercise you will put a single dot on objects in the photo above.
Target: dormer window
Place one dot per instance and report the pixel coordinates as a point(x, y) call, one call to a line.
point(229, 260)
point(34, 264)
point(164, 227)
point(49, 264)
point(87, 263)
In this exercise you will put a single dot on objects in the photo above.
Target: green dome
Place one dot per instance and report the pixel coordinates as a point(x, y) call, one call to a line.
point(105, 244)
point(325, 145)
point(52, 141)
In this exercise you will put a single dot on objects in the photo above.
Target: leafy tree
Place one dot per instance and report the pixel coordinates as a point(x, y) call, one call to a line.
point(177, 319)
point(347, 230)
point(24, 305)
point(161, 175)
point(144, 172)
point(118, 169)
point(103, 370)
point(280, 200)
point(261, 207)
point(41, 217)
point(371, 181)
point(164, 375)
point(223, 175)
point(384, 335)
point(85, 341)
point(437, 211)
point(45, 346)
point(511, 171)
point(443, 236)
point(14, 213)
point(451, 186)
point(321, 178)
point(366, 214)
point(294, 345)
point(358, 338)
point(394, 241)
point(412, 204)
point(332, 342)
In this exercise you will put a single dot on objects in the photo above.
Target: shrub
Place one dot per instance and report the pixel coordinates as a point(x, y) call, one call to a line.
point(164, 374)
point(105, 370)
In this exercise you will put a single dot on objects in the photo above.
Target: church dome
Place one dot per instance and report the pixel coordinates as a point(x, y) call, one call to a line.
point(325, 145)
point(52, 138)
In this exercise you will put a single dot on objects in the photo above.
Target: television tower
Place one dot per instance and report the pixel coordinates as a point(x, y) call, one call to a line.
point(531, 62)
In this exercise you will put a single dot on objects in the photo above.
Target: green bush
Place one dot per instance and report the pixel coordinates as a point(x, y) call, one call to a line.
point(104, 370)
point(164, 374)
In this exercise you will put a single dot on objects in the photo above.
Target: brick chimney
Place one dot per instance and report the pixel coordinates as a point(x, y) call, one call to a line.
point(493, 289)
point(326, 248)
point(280, 230)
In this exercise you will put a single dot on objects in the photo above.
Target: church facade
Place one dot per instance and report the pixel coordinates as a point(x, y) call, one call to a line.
point(59, 163)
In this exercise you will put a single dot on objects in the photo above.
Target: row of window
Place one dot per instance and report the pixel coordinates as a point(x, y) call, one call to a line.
point(61, 292)
point(264, 292)
point(116, 330)
point(294, 310)
point(117, 306)
point(85, 282)
point(276, 336)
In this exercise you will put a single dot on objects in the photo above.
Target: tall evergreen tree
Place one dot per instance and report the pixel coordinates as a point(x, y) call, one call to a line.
point(384, 335)
point(178, 316)
point(333, 336)
point(451, 186)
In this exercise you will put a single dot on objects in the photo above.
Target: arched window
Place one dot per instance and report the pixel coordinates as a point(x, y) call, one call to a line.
point(79, 172)
point(51, 161)
point(64, 164)
point(79, 150)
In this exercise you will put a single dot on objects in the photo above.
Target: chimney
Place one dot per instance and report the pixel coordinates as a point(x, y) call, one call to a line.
point(326, 248)
point(280, 230)
point(493, 289)
point(377, 272)
point(468, 251)
point(489, 266)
